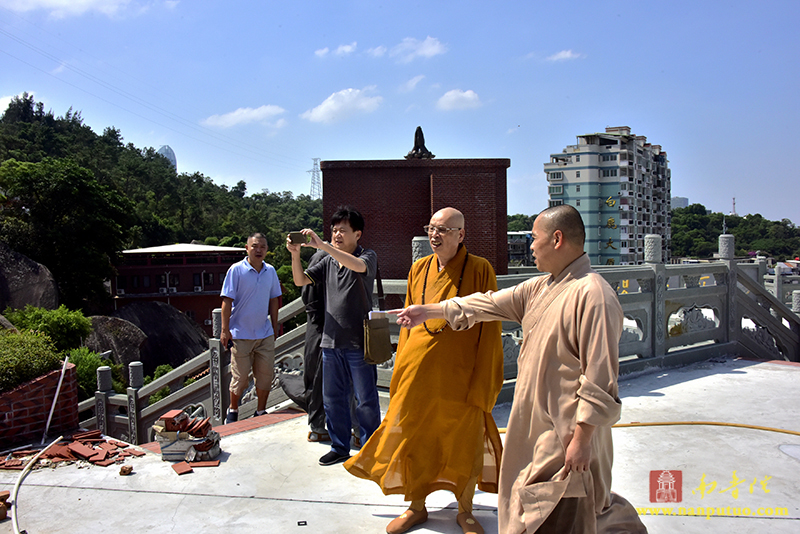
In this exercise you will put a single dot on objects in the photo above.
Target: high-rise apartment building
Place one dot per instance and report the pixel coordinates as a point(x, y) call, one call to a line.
point(620, 184)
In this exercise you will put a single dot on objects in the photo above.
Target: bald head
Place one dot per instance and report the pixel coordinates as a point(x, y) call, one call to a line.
point(449, 233)
point(567, 219)
point(450, 216)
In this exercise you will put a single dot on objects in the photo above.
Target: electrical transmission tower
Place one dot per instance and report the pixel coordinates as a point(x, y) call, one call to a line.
point(316, 181)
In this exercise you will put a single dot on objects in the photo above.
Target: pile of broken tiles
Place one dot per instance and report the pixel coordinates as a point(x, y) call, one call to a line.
point(88, 447)
point(183, 438)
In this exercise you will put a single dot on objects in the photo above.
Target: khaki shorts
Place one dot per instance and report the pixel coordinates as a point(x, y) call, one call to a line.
point(255, 354)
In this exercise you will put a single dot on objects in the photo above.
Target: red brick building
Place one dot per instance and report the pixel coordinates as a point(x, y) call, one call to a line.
point(189, 277)
point(398, 197)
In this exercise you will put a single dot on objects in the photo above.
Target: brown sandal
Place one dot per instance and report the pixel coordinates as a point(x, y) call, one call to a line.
point(469, 524)
point(408, 519)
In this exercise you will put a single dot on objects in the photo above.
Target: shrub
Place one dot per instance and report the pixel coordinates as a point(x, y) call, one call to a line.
point(66, 328)
point(25, 356)
point(164, 392)
point(86, 364)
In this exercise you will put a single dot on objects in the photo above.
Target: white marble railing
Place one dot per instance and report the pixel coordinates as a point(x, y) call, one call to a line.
point(674, 315)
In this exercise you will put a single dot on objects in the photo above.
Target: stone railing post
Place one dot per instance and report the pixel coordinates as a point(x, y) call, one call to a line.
point(216, 322)
point(105, 388)
point(653, 258)
point(218, 361)
point(420, 247)
point(136, 381)
point(762, 269)
point(779, 283)
point(796, 301)
point(727, 247)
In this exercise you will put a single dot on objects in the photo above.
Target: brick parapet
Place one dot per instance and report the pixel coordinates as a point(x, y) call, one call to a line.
point(24, 409)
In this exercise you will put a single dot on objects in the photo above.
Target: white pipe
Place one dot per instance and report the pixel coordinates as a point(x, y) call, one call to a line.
point(53, 406)
point(28, 467)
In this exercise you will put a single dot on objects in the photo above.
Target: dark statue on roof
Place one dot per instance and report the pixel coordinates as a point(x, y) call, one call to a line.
point(419, 151)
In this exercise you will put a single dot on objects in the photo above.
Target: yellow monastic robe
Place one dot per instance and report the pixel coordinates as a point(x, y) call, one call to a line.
point(567, 374)
point(438, 431)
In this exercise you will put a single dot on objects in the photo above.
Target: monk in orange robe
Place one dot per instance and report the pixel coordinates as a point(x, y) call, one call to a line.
point(438, 433)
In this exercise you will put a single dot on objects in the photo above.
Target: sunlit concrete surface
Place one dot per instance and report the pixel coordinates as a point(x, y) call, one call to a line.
point(269, 479)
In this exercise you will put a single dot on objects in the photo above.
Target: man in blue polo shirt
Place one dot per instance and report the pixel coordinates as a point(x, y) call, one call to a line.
point(346, 275)
point(250, 300)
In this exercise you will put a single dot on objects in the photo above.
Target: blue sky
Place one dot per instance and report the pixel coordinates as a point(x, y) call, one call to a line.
point(253, 90)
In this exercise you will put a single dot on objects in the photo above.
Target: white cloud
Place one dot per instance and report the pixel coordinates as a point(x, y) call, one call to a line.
point(564, 55)
point(410, 49)
point(4, 102)
point(343, 104)
point(378, 51)
point(172, 4)
point(322, 52)
point(411, 84)
point(458, 99)
point(245, 116)
point(65, 8)
point(346, 50)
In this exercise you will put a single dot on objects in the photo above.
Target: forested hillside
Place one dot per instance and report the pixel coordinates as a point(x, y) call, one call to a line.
point(71, 199)
point(696, 234)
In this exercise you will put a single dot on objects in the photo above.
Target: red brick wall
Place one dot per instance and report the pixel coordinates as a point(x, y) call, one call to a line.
point(398, 197)
point(24, 410)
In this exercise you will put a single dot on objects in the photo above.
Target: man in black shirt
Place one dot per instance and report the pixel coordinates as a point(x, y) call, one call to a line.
point(347, 275)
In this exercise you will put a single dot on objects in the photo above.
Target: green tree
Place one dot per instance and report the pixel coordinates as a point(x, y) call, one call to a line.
point(59, 215)
point(86, 365)
point(520, 222)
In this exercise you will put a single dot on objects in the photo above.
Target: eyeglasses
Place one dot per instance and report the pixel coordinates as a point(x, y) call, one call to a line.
point(441, 230)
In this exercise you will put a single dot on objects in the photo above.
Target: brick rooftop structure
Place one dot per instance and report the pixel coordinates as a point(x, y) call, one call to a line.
point(398, 197)
point(24, 410)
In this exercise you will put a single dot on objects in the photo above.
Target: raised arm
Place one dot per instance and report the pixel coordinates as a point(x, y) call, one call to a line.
point(344, 258)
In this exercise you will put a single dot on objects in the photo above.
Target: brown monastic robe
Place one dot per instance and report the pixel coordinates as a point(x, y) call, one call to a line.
point(567, 374)
point(439, 420)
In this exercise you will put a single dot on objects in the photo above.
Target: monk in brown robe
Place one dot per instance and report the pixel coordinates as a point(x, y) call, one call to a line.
point(444, 385)
point(555, 475)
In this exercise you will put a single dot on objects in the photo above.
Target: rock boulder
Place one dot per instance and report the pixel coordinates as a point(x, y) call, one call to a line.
point(23, 281)
point(172, 337)
point(121, 337)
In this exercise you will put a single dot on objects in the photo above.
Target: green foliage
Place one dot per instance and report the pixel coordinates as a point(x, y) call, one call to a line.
point(211, 241)
point(160, 371)
point(24, 356)
point(164, 392)
point(695, 233)
point(520, 222)
point(67, 329)
point(86, 365)
point(161, 394)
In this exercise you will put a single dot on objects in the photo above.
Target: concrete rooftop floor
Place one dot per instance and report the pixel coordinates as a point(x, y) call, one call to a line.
point(269, 479)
